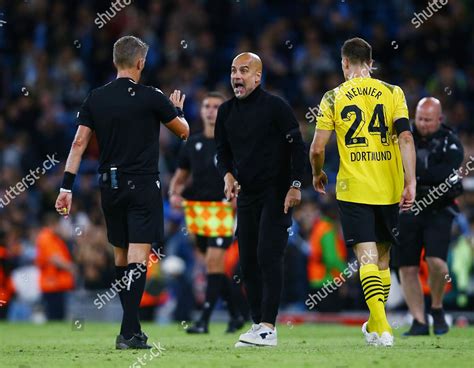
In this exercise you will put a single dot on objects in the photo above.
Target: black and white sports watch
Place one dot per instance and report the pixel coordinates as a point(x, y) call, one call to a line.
point(296, 184)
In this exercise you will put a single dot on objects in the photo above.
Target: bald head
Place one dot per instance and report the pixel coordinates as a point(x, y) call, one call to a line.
point(249, 58)
point(428, 116)
point(246, 74)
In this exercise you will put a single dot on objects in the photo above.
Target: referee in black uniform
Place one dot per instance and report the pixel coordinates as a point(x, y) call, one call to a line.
point(125, 117)
point(261, 155)
point(197, 161)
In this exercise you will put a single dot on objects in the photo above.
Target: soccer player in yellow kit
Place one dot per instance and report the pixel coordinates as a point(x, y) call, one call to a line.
point(376, 175)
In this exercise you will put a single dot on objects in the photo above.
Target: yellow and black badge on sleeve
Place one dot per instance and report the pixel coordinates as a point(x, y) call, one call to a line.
point(367, 115)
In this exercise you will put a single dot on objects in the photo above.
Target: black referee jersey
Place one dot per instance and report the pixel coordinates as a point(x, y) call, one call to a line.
point(125, 117)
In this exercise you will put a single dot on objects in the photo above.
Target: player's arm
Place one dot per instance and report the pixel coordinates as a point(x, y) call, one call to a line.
point(316, 157)
point(78, 147)
point(407, 149)
point(324, 126)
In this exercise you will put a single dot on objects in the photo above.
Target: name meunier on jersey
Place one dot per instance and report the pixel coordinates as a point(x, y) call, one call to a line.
point(363, 112)
point(365, 91)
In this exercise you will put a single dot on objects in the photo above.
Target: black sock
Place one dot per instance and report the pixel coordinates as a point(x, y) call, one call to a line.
point(214, 282)
point(119, 274)
point(133, 293)
point(227, 295)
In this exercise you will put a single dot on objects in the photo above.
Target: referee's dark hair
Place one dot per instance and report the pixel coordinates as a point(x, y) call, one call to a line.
point(357, 50)
point(126, 51)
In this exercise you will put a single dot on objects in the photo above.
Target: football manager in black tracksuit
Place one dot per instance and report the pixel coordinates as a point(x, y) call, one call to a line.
point(125, 117)
point(261, 155)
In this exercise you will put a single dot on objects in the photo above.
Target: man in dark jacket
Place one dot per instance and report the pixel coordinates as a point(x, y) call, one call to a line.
point(428, 224)
point(261, 155)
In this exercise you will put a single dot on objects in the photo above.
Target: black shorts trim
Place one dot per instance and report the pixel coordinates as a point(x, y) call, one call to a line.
point(368, 222)
point(204, 242)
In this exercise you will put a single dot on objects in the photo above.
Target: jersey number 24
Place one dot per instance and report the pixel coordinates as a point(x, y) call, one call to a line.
point(353, 137)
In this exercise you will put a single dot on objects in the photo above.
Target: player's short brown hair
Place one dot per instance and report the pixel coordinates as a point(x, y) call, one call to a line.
point(126, 51)
point(357, 50)
point(214, 94)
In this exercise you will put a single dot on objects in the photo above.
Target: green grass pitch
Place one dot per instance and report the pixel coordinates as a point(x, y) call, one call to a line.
point(59, 345)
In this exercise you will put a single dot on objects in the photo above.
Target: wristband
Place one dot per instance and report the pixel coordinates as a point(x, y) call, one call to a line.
point(180, 112)
point(62, 190)
point(68, 180)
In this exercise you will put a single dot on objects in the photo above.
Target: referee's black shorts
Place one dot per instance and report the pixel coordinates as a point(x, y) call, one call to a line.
point(221, 242)
point(428, 229)
point(133, 212)
point(368, 222)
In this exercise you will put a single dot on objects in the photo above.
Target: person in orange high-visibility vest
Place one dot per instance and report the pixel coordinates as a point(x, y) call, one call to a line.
point(326, 261)
point(154, 294)
point(56, 268)
point(6, 286)
point(424, 277)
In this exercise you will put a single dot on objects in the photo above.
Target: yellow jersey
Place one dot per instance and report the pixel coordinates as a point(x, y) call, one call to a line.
point(362, 111)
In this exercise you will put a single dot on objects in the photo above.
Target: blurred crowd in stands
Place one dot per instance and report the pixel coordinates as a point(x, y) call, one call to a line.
point(53, 54)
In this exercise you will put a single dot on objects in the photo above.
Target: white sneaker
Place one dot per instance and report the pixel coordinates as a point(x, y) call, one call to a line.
point(240, 344)
point(372, 338)
point(260, 335)
point(251, 331)
point(386, 339)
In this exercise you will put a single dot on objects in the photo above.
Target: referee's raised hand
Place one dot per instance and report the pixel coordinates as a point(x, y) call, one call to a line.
point(177, 99)
point(179, 126)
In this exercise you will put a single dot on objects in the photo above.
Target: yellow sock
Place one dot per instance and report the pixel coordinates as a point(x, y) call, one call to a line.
point(374, 297)
point(385, 277)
